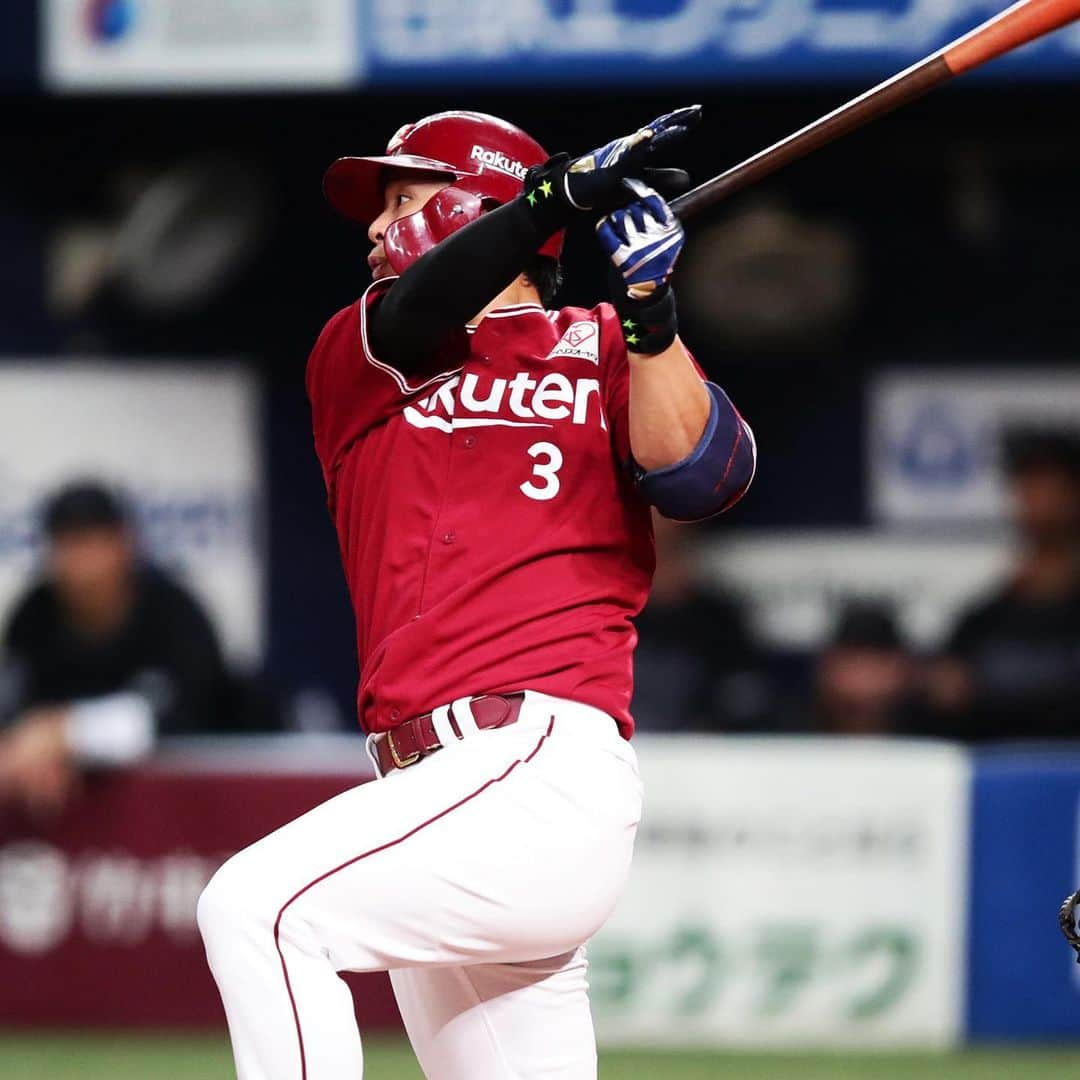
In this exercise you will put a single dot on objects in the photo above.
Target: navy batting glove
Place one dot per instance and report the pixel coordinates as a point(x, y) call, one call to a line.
point(563, 188)
point(642, 240)
point(593, 182)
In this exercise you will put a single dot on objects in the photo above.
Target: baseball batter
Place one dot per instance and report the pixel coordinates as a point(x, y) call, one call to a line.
point(490, 465)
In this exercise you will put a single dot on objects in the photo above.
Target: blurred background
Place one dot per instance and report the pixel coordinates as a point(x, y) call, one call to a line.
point(855, 692)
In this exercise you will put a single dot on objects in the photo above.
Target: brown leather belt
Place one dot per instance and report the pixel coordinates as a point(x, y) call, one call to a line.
point(407, 743)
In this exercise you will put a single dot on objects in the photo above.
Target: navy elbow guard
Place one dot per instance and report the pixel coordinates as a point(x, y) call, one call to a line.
point(714, 476)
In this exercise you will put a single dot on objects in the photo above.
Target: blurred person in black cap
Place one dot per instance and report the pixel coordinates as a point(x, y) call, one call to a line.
point(99, 657)
point(865, 680)
point(1011, 668)
point(696, 667)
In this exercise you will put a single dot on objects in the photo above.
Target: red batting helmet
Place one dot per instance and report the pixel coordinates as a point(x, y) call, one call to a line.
point(484, 155)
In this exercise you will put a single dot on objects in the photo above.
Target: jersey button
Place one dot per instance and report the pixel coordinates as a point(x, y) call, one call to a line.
point(470, 441)
point(448, 537)
point(395, 714)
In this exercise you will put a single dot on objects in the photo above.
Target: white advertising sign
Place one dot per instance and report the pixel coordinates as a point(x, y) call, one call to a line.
point(178, 44)
point(935, 438)
point(790, 892)
point(182, 443)
point(793, 584)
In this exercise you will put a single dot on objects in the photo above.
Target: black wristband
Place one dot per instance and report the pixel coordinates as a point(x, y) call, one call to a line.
point(545, 195)
point(649, 326)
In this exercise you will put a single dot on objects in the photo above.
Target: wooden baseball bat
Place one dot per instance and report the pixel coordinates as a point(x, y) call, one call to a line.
point(1015, 26)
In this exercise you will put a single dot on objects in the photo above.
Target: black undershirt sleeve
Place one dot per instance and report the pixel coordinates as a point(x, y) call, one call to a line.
point(447, 286)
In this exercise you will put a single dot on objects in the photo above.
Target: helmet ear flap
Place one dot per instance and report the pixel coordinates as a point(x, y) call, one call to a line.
point(406, 239)
point(477, 185)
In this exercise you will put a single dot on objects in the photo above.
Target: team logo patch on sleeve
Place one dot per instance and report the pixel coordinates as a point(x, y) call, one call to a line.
point(581, 341)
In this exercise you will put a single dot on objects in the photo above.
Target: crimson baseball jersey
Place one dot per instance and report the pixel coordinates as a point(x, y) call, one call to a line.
point(491, 539)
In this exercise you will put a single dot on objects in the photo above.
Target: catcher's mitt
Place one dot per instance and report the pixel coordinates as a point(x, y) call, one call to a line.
point(1067, 919)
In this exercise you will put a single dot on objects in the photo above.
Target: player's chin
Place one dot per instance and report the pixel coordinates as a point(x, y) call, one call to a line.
point(380, 270)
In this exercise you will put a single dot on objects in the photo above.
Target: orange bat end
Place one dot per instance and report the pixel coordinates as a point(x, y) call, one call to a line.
point(1015, 26)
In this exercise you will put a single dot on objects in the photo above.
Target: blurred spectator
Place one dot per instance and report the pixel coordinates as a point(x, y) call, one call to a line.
point(1012, 665)
point(696, 667)
point(99, 657)
point(865, 680)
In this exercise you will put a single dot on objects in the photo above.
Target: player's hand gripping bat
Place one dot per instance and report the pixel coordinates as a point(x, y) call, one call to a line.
point(1015, 26)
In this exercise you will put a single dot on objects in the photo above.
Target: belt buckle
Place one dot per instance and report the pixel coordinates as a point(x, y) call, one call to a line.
point(400, 762)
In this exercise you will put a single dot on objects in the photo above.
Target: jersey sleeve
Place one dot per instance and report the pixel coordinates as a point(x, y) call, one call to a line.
point(350, 388)
point(443, 360)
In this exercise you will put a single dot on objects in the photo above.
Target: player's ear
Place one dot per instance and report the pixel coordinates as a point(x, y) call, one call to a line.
point(525, 281)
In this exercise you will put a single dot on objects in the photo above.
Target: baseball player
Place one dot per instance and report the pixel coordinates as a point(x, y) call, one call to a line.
point(490, 465)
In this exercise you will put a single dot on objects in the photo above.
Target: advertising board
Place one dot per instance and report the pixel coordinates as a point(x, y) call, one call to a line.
point(178, 44)
point(791, 891)
point(1023, 980)
point(794, 584)
point(935, 438)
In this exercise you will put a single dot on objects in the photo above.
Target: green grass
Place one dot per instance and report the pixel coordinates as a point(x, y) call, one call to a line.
point(49, 1056)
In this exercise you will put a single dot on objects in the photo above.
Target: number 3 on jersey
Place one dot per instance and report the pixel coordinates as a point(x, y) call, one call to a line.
point(549, 461)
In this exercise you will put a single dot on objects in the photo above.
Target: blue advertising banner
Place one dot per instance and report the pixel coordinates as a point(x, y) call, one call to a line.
point(1023, 981)
point(101, 45)
point(643, 43)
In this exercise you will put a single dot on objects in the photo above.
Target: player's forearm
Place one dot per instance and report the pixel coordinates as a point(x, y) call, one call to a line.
point(693, 454)
point(669, 407)
point(445, 288)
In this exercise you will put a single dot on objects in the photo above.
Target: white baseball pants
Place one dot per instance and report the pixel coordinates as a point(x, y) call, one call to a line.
point(474, 877)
